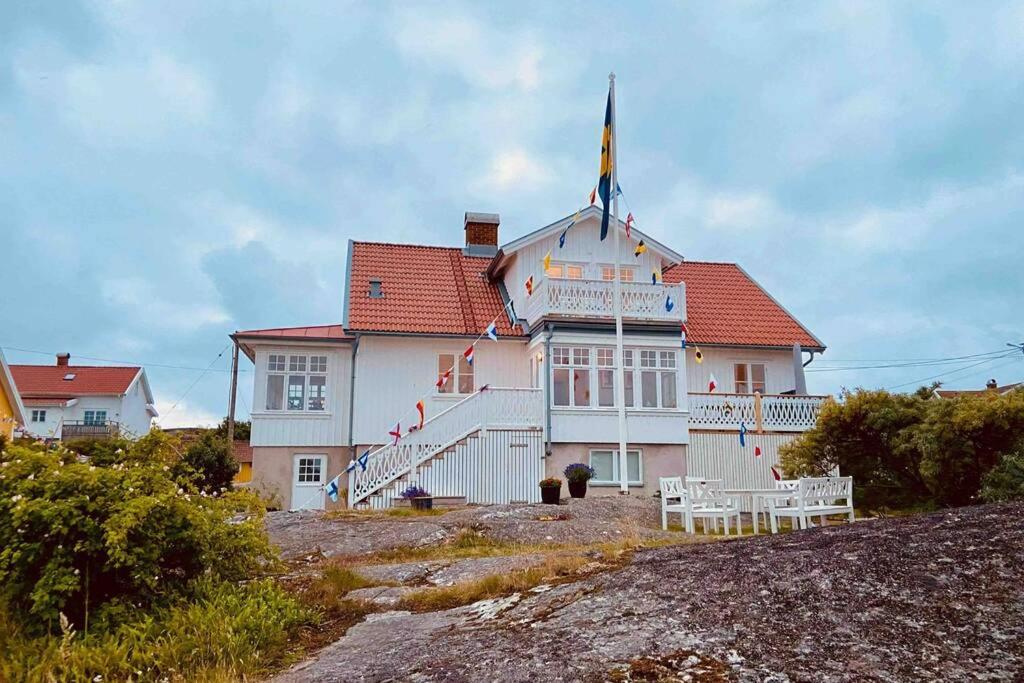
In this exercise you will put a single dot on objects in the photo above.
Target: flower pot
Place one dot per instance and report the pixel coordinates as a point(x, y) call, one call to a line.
point(578, 489)
point(424, 503)
point(550, 494)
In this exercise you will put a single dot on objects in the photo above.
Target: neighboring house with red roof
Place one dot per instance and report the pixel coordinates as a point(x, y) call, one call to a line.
point(64, 401)
point(992, 387)
point(544, 394)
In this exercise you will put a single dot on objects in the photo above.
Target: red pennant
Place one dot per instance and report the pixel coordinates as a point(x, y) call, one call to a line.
point(396, 432)
point(775, 473)
point(757, 451)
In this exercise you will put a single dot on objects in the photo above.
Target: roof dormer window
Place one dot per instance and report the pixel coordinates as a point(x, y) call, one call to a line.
point(376, 292)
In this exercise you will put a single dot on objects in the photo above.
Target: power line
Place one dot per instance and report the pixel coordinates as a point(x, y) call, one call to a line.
point(195, 382)
point(128, 362)
point(904, 360)
point(1002, 353)
point(952, 372)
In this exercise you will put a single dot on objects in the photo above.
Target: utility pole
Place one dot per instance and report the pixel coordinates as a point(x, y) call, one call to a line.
point(231, 396)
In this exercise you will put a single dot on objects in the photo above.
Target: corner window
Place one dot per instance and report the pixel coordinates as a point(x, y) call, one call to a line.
point(296, 383)
point(460, 380)
point(749, 378)
point(606, 467)
point(583, 377)
point(39, 416)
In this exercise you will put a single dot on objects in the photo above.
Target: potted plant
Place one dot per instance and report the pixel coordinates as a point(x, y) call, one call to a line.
point(551, 490)
point(418, 497)
point(578, 474)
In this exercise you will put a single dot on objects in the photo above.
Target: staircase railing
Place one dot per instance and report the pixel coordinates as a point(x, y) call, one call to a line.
point(488, 408)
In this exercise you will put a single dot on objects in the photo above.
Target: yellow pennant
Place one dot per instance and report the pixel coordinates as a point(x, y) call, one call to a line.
point(697, 355)
point(640, 248)
point(547, 261)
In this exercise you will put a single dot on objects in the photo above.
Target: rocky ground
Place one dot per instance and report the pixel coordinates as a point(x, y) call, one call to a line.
point(576, 521)
point(933, 597)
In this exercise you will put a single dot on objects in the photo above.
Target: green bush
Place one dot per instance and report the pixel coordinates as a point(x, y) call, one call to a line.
point(104, 542)
point(1006, 480)
point(209, 463)
point(909, 451)
point(225, 631)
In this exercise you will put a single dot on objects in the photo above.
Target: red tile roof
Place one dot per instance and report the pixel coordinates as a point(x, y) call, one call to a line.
point(426, 290)
point(47, 381)
point(59, 401)
point(725, 306)
point(242, 451)
point(317, 332)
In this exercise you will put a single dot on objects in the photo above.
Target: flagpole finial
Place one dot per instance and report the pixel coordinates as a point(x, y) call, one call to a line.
point(611, 76)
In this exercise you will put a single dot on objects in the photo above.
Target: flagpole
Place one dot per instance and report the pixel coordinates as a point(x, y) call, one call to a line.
point(620, 387)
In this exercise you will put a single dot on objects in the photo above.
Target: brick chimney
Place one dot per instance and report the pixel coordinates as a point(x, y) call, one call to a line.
point(481, 233)
point(63, 359)
point(991, 385)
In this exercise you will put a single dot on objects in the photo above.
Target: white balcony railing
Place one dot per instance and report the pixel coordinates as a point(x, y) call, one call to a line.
point(772, 412)
point(488, 408)
point(595, 299)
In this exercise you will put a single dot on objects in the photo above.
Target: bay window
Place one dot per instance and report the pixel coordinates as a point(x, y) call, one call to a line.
point(749, 378)
point(581, 374)
point(296, 383)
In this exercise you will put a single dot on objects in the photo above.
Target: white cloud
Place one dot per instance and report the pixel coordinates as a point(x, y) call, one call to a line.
point(484, 57)
point(184, 414)
point(516, 169)
point(150, 308)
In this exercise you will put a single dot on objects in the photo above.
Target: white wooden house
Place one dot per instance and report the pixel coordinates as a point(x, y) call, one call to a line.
point(543, 395)
point(65, 401)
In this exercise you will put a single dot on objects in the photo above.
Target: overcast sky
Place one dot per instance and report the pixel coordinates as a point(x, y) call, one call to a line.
point(172, 173)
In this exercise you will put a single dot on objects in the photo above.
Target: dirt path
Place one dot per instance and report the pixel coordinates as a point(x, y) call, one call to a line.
point(930, 597)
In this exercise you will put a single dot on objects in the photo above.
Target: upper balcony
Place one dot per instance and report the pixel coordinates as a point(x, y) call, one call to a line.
point(594, 299)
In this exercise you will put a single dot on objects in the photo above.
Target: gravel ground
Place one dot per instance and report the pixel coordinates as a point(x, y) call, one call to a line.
point(575, 521)
point(934, 597)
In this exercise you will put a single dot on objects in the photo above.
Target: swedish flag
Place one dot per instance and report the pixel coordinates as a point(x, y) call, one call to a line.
point(604, 184)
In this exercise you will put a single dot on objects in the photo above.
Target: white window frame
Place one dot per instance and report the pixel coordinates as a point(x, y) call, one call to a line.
point(94, 417)
point(615, 464)
point(459, 366)
point(38, 416)
point(560, 270)
point(307, 365)
point(749, 382)
point(608, 271)
point(632, 373)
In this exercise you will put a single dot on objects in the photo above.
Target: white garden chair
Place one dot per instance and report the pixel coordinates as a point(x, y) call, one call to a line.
point(706, 500)
point(814, 497)
point(673, 499)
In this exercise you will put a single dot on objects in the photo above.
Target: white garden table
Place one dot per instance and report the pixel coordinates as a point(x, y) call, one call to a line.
point(757, 498)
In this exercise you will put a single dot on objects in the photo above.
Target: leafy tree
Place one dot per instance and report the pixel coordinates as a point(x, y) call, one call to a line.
point(1006, 480)
point(865, 435)
point(242, 430)
point(110, 540)
point(961, 439)
point(209, 462)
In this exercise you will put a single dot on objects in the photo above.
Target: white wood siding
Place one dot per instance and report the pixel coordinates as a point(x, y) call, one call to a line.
point(392, 373)
point(583, 247)
point(719, 456)
point(283, 428)
point(779, 374)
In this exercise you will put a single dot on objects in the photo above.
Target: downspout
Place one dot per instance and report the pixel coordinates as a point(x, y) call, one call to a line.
point(352, 400)
point(547, 388)
point(811, 358)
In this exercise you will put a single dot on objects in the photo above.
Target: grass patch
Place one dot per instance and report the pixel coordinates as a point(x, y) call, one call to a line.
point(493, 586)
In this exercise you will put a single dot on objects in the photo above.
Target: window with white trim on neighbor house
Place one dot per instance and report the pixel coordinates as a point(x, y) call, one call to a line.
point(461, 379)
point(579, 373)
point(296, 382)
point(39, 416)
point(95, 417)
point(606, 467)
point(749, 378)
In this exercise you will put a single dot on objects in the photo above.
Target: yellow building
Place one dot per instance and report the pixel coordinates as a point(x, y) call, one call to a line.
point(12, 411)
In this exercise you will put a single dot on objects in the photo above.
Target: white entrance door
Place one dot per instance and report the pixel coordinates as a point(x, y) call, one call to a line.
point(308, 473)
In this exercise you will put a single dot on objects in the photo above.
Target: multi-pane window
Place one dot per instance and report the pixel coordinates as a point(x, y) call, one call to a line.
point(606, 467)
point(296, 382)
point(626, 273)
point(571, 376)
point(95, 417)
point(310, 470)
point(749, 378)
point(581, 374)
point(460, 381)
point(568, 271)
point(39, 416)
